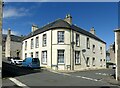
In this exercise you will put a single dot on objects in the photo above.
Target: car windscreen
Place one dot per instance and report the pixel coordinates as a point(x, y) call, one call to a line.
point(36, 60)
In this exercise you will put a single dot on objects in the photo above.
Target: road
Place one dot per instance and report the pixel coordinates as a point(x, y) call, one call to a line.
point(39, 77)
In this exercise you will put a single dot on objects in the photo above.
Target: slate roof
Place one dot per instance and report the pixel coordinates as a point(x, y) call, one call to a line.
point(62, 24)
point(13, 38)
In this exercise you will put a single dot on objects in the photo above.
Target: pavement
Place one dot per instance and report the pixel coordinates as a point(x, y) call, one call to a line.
point(101, 78)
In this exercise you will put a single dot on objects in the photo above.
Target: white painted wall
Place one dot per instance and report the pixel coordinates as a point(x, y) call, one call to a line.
point(52, 50)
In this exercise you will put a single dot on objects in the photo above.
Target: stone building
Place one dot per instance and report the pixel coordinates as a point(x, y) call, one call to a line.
point(117, 53)
point(112, 54)
point(61, 45)
point(12, 45)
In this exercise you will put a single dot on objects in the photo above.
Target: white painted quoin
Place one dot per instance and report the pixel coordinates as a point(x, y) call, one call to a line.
point(61, 45)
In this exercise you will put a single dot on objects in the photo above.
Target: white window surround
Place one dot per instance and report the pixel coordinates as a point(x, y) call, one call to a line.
point(32, 43)
point(60, 56)
point(37, 42)
point(25, 45)
point(44, 40)
point(93, 61)
point(88, 62)
point(77, 40)
point(44, 57)
point(101, 50)
point(37, 54)
point(93, 48)
point(88, 43)
point(31, 54)
point(60, 37)
point(25, 55)
point(77, 57)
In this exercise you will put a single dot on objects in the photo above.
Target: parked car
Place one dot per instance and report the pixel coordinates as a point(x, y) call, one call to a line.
point(16, 60)
point(31, 62)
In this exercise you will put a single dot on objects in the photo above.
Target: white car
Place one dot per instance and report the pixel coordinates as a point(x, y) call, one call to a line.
point(16, 61)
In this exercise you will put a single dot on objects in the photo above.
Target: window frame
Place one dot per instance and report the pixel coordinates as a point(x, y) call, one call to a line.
point(32, 43)
point(36, 56)
point(37, 42)
point(101, 50)
point(60, 38)
point(31, 54)
point(77, 59)
point(88, 43)
point(25, 45)
point(93, 48)
point(77, 40)
point(43, 57)
point(58, 55)
point(25, 55)
point(93, 61)
point(44, 40)
point(88, 62)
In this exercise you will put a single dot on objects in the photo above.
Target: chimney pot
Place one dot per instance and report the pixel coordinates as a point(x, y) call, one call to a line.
point(92, 30)
point(34, 27)
point(68, 18)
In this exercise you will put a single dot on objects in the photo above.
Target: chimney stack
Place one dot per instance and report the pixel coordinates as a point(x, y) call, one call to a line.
point(68, 19)
point(92, 30)
point(34, 27)
point(9, 31)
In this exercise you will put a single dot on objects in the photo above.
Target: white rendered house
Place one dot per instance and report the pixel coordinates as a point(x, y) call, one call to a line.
point(61, 45)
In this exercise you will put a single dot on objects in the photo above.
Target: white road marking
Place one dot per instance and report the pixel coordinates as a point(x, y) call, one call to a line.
point(83, 77)
point(18, 83)
point(103, 74)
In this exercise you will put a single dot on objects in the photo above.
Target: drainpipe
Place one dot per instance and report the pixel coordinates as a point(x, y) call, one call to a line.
point(72, 44)
point(51, 48)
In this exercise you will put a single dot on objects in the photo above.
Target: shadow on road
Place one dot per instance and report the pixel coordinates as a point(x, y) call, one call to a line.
point(9, 70)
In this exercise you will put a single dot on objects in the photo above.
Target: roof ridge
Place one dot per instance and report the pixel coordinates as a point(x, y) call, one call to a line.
point(89, 33)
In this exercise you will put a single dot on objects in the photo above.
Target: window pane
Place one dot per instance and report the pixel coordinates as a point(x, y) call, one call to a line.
point(37, 42)
point(44, 57)
point(44, 40)
point(60, 56)
point(77, 57)
point(77, 40)
point(61, 37)
point(32, 45)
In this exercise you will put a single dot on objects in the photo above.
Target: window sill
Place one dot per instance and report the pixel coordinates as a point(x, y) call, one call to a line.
point(88, 48)
point(77, 64)
point(61, 43)
point(77, 46)
point(61, 63)
point(44, 63)
point(44, 46)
